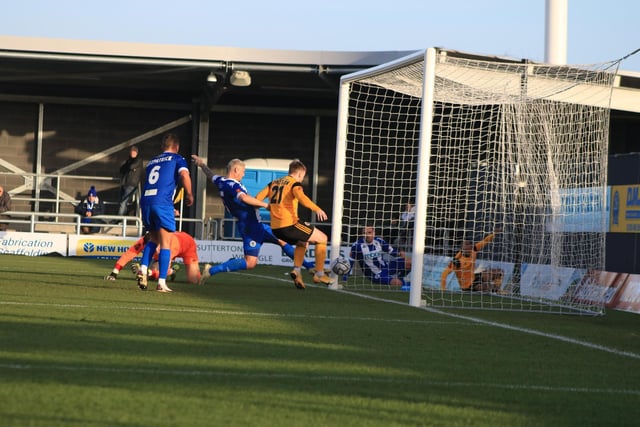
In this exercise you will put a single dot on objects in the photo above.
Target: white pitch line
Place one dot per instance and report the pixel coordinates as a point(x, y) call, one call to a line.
point(322, 378)
point(429, 309)
point(499, 325)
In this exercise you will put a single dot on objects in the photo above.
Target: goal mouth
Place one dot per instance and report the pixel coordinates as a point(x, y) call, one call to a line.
point(477, 144)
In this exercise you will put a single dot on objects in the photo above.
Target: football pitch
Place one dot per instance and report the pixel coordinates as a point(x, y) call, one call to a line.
point(248, 349)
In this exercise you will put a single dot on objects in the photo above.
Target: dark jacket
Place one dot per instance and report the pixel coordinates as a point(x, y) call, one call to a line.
point(131, 172)
point(96, 208)
point(5, 202)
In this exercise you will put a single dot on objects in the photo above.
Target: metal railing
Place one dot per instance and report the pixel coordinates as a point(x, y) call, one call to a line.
point(60, 214)
point(117, 221)
point(52, 184)
point(32, 219)
point(206, 230)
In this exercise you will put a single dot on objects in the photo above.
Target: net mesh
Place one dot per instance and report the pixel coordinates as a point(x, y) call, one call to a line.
point(518, 155)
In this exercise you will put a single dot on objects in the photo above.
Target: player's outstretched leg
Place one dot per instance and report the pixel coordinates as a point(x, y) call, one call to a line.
point(234, 264)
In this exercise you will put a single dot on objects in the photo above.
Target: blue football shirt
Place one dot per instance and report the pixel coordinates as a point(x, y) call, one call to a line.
point(162, 176)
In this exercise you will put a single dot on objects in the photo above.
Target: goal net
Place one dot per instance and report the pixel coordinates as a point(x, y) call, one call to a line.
point(489, 175)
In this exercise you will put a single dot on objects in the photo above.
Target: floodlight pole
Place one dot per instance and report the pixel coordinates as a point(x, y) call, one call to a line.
point(556, 32)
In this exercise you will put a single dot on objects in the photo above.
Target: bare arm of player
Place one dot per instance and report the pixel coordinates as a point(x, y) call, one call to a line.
point(321, 215)
point(443, 277)
point(308, 203)
point(484, 242)
point(186, 184)
point(264, 193)
point(202, 165)
point(252, 201)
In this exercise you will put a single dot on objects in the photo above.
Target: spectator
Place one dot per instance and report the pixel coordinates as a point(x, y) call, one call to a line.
point(370, 251)
point(5, 205)
point(88, 208)
point(131, 173)
point(405, 227)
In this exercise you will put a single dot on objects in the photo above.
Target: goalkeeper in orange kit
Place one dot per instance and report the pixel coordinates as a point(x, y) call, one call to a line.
point(182, 246)
point(131, 253)
point(463, 265)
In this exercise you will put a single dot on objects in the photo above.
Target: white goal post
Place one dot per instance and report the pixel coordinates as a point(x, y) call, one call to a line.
point(509, 156)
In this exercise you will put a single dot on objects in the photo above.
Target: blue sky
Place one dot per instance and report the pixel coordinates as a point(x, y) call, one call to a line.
point(598, 30)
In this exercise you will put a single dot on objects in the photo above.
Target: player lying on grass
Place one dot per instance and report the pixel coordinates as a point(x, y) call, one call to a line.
point(182, 246)
point(463, 265)
point(244, 208)
point(370, 250)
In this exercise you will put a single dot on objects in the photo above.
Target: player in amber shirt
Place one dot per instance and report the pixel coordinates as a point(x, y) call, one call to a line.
point(284, 195)
point(464, 265)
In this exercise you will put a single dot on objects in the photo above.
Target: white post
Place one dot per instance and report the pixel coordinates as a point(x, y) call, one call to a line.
point(556, 32)
point(422, 186)
point(338, 181)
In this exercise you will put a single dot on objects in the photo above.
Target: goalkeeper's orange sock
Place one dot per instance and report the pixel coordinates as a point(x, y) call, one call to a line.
point(321, 256)
point(298, 256)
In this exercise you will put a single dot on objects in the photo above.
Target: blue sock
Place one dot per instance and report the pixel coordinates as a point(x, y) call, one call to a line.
point(234, 264)
point(289, 249)
point(164, 258)
point(147, 253)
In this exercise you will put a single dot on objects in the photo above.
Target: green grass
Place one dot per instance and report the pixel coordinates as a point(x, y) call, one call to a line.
point(250, 349)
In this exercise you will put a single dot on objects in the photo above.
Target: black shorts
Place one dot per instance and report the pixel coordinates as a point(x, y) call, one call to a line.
point(299, 232)
point(476, 285)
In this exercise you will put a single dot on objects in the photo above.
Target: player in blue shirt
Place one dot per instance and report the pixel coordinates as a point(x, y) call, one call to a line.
point(163, 173)
point(243, 207)
point(369, 251)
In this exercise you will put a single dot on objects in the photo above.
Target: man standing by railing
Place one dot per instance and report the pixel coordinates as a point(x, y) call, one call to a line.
point(5, 205)
point(131, 173)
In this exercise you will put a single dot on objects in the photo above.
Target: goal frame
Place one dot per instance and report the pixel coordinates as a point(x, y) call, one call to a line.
point(429, 58)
